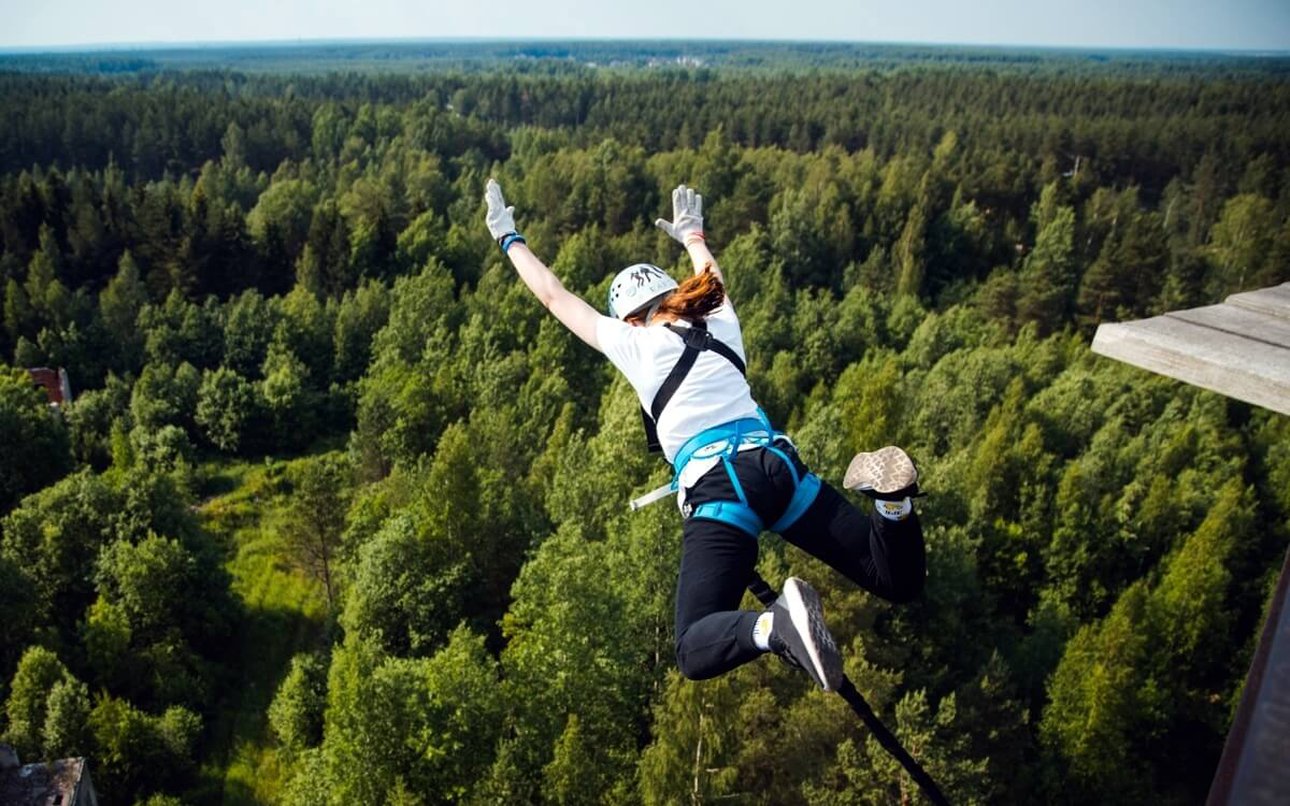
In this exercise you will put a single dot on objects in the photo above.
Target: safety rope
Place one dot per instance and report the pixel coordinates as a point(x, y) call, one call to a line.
point(767, 596)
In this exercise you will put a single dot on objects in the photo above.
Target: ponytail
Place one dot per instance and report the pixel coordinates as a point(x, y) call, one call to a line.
point(696, 297)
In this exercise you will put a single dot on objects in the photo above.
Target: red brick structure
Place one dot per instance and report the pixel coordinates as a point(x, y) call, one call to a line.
point(58, 389)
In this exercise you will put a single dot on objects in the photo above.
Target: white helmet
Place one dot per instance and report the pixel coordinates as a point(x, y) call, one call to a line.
point(637, 286)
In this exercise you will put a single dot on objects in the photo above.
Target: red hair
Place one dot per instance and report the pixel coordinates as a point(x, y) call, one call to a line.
point(697, 296)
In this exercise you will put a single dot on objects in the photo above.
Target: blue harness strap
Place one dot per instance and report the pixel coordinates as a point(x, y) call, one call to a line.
point(803, 497)
point(740, 513)
point(735, 513)
point(724, 440)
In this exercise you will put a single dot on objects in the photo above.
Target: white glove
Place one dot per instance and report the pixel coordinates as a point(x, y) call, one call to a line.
point(687, 216)
point(500, 219)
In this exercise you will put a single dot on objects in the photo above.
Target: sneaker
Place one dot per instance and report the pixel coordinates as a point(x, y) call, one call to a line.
point(800, 636)
point(887, 473)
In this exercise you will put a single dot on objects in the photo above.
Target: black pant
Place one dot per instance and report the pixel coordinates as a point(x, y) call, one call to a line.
point(884, 557)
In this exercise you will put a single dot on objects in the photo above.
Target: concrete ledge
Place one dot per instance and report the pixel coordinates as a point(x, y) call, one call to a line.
point(1240, 348)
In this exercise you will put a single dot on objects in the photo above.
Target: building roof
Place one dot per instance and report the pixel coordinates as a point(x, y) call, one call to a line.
point(52, 783)
point(1239, 348)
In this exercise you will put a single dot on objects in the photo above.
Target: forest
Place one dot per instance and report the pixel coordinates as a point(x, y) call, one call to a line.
point(338, 513)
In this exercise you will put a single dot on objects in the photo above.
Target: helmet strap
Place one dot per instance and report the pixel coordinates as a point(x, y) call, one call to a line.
point(653, 309)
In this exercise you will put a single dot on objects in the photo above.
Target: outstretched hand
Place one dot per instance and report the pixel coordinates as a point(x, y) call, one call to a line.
point(500, 218)
point(687, 216)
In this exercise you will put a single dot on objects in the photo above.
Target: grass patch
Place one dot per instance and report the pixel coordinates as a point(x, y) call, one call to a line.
point(243, 505)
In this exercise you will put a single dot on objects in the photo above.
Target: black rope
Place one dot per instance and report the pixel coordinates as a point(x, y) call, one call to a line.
point(890, 743)
point(766, 595)
point(762, 590)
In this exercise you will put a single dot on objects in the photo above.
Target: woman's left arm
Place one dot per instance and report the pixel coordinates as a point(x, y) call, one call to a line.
point(686, 228)
point(572, 311)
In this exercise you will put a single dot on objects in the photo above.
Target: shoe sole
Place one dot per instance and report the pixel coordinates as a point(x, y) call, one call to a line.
point(884, 471)
point(808, 618)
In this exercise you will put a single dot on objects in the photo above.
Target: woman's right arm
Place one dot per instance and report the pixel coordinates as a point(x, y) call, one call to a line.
point(572, 311)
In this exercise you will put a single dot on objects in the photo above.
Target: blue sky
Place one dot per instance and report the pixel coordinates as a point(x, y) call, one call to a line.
point(1212, 24)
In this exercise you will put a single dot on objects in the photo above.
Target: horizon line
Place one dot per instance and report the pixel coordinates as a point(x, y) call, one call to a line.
point(198, 44)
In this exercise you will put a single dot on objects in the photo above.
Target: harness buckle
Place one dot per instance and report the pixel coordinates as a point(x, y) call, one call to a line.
point(698, 338)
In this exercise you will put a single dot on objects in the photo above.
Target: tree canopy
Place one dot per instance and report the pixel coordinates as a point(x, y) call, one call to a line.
point(338, 513)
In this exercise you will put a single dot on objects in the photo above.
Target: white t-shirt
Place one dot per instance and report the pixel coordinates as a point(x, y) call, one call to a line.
point(713, 392)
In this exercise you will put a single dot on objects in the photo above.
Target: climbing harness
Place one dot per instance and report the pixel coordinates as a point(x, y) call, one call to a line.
point(723, 441)
point(766, 595)
point(726, 440)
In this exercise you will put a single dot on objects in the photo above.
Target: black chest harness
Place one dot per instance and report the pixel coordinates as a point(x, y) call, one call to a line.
point(697, 339)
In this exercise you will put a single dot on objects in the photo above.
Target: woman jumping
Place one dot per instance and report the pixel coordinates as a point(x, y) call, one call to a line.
point(681, 348)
